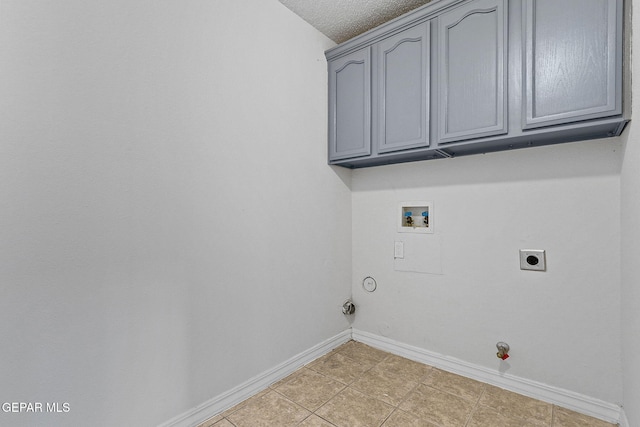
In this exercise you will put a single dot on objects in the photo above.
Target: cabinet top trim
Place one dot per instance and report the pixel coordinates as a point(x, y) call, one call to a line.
point(416, 16)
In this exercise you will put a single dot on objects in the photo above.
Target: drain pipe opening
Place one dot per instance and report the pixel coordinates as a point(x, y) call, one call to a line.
point(348, 307)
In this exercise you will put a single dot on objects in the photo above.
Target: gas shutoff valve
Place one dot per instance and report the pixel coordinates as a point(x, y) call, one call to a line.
point(503, 350)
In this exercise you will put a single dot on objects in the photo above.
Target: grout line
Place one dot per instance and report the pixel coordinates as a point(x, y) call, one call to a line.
point(324, 419)
point(389, 416)
point(228, 420)
point(476, 406)
point(415, 387)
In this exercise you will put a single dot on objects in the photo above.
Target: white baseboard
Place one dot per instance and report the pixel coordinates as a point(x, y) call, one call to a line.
point(624, 422)
point(220, 403)
point(567, 399)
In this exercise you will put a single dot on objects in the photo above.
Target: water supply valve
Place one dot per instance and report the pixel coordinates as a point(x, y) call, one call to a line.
point(415, 217)
point(408, 218)
point(503, 350)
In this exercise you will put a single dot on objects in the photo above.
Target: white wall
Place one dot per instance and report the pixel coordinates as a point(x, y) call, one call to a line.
point(157, 251)
point(562, 324)
point(630, 179)
point(168, 225)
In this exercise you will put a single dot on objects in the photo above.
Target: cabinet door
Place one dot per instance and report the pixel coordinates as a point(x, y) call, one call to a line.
point(402, 90)
point(472, 42)
point(350, 105)
point(570, 61)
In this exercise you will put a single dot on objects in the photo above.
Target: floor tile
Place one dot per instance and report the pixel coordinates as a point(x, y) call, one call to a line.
point(244, 403)
point(405, 368)
point(269, 410)
point(404, 419)
point(455, 384)
point(438, 407)
point(286, 379)
point(310, 389)
point(383, 385)
point(566, 418)
point(340, 368)
point(351, 408)
point(211, 421)
point(356, 385)
point(483, 416)
point(315, 421)
point(514, 405)
point(323, 358)
point(362, 353)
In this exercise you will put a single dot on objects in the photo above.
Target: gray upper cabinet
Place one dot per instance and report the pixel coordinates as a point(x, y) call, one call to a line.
point(350, 105)
point(572, 66)
point(401, 91)
point(462, 77)
point(472, 44)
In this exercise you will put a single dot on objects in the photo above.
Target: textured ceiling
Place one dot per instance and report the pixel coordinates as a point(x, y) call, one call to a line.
point(341, 20)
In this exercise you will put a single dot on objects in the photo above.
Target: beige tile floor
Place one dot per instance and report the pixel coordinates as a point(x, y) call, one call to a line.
point(358, 386)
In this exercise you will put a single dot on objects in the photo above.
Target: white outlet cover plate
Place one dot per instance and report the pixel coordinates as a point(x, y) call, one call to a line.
point(533, 259)
point(398, 250)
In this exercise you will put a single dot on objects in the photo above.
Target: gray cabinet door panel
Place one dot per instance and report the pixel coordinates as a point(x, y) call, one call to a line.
point(472, 42)
point(350, 105)
point(460, 77)
point(402, 91)
point(570, 63)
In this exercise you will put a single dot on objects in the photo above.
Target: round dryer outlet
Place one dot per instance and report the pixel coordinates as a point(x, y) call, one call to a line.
point(369, 284)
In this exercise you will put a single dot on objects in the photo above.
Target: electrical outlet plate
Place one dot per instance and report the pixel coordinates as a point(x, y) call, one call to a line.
point(533, 259)
point(398, 250)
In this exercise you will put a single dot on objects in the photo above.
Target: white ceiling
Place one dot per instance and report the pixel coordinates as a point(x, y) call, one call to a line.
point(341, 20)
